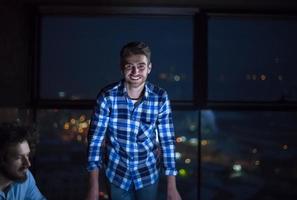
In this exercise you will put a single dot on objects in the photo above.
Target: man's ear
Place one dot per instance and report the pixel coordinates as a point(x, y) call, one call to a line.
point(150, 68)
point(122, 69)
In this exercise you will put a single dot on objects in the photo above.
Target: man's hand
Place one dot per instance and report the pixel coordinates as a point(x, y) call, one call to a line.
point(93, 194)
point(172, 193)
point(93, 191)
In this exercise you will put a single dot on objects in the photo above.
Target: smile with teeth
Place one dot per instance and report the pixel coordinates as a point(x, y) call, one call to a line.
point(135, 77)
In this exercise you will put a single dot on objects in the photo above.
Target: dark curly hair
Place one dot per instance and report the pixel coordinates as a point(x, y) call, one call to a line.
point(12, 134)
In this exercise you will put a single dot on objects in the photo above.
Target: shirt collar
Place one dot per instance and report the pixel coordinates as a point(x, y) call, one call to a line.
point(123, 90)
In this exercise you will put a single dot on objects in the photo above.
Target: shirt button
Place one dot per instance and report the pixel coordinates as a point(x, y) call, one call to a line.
point(132, 158)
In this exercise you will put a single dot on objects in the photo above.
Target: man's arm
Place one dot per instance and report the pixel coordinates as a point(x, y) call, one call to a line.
point(172, 193)
point(93, 192)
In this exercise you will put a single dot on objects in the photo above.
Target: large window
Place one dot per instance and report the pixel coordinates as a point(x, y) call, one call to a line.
point(225, 153)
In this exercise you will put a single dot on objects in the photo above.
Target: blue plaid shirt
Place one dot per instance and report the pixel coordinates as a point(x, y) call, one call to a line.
point(131, 134)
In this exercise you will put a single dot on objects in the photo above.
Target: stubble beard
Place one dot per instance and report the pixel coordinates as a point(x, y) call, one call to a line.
point(13, 176)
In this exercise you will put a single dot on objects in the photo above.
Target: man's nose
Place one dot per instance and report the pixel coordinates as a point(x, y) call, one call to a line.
point(134, 69)
point(26, 162)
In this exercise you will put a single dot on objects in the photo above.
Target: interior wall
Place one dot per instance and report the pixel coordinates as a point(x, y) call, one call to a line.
point(14, 44)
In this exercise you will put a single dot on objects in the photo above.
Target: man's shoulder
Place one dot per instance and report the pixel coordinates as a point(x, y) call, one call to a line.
point(110, 88)
point(29, 174)
point(30, 179)
point(156, 90)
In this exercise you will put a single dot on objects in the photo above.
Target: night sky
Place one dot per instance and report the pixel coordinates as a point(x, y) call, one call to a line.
point(252, 59)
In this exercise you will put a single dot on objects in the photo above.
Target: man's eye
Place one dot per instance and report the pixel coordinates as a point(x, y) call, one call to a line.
point(128, 66)
point(141, 67)
point(17, 157)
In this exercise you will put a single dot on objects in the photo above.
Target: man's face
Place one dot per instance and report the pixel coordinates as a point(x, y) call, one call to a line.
point(136, 69)
point(16, 162)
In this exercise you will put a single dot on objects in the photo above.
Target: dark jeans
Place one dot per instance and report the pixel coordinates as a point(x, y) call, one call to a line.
point(146, 193)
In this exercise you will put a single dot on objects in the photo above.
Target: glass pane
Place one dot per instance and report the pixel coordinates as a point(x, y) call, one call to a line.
point(186, 131)
point(257, 54)
point(82, 53)
point(249, 155)
point(61, 154)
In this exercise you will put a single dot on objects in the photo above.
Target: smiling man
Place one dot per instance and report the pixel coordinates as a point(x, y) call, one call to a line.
point(16, 181)
point(133, 122)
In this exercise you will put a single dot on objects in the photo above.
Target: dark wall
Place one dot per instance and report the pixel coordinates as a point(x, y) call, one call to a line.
point(17, 35)
point(14, 45)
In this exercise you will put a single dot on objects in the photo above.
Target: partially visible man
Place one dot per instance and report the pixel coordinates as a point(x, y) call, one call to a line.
point(16, 181)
